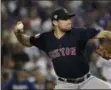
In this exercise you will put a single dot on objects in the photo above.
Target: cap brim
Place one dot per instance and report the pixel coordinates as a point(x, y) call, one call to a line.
point(67, 17)
point(71, 15)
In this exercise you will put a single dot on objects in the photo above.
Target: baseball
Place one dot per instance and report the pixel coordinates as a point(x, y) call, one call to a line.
point(19, 25)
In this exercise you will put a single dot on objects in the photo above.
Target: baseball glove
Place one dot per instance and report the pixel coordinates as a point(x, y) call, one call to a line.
point(104, 49)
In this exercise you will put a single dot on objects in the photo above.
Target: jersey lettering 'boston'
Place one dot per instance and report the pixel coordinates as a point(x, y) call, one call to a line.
point(62, 52)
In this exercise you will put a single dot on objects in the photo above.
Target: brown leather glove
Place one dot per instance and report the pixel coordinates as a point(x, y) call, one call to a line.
point(104, 49)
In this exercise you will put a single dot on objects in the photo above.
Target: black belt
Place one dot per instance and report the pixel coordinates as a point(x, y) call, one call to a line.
point(75, 81)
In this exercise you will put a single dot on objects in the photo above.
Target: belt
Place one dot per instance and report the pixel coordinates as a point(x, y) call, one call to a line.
point(75, 81)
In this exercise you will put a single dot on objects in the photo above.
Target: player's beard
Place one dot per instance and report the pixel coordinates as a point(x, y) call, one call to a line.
point(66, 29)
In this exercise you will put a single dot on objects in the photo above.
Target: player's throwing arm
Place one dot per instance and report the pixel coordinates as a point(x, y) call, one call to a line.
point(19, 32)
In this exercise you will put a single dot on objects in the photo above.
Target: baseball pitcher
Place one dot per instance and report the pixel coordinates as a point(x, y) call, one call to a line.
point(65, 46)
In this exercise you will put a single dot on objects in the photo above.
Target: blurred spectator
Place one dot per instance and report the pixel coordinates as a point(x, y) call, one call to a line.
point(45, 4)
point(8, 62)
point(105, 68)
point(19, 81)
point(4, 52)
point(47, 25)
point(93, 68)
point(20, 58)
point(11, 8)
point(75, 5)
point(6, 77)
point(39, 79)
point(50, 82)
point(35, 21)
point(42, 62)
point(108, 26)
point(32, 52)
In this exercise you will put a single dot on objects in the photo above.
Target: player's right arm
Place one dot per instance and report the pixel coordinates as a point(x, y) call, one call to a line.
point(38, 40)
point(23, 38)
point(19, 33)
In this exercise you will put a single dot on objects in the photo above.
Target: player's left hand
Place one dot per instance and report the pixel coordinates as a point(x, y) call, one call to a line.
point(104, 49)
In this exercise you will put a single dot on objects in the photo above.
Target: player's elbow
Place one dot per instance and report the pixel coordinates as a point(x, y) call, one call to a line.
point(26, 44)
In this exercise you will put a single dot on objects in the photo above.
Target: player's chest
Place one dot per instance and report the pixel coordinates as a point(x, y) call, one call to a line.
point(65, 42)
point(62, 47)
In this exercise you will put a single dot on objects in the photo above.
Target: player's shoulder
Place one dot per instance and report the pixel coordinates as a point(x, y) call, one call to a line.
point(78, 29)
point(44, 34)
point(82, 29)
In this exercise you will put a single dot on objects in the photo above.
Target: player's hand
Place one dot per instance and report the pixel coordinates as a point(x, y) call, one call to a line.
point(19, 27)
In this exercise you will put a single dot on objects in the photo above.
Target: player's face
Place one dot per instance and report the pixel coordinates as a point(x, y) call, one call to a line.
point(65, 25)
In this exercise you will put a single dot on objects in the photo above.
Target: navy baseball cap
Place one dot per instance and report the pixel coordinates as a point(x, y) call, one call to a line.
point(61, 14)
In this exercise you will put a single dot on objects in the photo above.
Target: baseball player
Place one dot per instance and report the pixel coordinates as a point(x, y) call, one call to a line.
point(65, 45)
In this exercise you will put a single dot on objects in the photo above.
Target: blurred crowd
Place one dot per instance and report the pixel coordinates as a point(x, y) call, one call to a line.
point(30, 68)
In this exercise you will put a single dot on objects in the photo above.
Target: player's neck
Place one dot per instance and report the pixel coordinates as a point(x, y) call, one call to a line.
point(58, 33)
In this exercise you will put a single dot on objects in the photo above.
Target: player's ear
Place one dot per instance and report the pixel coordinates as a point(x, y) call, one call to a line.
point(54, 22)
